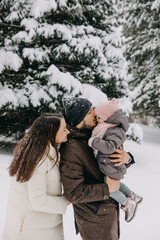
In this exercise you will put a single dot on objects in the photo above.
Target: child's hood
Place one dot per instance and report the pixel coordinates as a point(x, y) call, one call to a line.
point(120, 119)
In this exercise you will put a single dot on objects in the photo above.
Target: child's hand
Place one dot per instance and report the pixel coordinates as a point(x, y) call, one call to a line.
point(122, 157)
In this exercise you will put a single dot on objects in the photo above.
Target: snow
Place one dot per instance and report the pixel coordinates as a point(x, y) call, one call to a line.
point(143, 42)
point(126, 105)
point(36, 94)
point(29, 23)
point(10, 60)
point(142, 177)
point(23, 36)
point(42, 6)
point(65, 80)
point(63, 48)
point(75, 43)
point(19, 96)
point(155, 5)
point(35, 54)
point(61, 30)
point(93, 94)
point(7, 95)
point(33, 92)
point(135, 132)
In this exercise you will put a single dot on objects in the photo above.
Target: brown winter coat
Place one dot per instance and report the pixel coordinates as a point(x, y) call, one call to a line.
point(96, 214)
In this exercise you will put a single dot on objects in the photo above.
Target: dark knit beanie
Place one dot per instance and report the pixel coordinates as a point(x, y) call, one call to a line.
point(75, 109)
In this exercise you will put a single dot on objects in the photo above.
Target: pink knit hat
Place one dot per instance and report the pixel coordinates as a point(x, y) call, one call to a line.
point(107, 109)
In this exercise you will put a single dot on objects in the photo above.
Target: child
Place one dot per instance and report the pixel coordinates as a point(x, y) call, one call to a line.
point(106, 137)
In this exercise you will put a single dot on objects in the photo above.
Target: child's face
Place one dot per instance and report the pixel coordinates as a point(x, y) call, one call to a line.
point(100, 120)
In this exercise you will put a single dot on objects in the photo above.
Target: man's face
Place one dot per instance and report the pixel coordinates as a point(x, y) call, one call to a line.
point(89, 121)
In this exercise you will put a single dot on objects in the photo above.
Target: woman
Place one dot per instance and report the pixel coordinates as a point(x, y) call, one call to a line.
point(36, 203)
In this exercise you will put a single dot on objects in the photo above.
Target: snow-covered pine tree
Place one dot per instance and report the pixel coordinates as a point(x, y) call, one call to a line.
point(51, 47)
point(94, 53)
point(142, 30)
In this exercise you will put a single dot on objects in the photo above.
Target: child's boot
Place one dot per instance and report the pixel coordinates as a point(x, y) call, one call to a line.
point(129, 209)
point(135, 197)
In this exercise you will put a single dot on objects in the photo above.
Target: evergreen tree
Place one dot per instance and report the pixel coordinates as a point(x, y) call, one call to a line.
point(49, 48)
point(142, 30)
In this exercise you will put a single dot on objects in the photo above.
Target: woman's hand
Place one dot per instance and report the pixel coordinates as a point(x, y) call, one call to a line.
point(113, 184)
point(121, 155)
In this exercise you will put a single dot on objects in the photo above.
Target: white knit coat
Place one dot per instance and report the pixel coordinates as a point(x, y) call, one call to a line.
point(35, 208)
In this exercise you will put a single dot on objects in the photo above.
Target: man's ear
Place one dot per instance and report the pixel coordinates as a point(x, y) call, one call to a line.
point(80, 124)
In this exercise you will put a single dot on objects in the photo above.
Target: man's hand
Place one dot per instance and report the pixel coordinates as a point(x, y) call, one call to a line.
point(121, 155)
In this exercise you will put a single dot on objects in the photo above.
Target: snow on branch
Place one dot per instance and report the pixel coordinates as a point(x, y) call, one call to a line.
point(9, 60)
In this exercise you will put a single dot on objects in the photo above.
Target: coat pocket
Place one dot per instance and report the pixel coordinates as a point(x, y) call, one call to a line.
point(40, 220)
point(106, 209)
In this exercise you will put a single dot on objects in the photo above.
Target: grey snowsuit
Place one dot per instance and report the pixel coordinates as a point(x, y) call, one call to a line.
point(112, 139)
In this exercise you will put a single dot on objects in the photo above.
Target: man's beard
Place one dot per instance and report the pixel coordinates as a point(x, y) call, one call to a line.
point(86, 126)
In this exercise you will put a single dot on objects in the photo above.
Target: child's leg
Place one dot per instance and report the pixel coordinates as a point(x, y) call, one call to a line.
point(127, 204)
point(114, 185)
point(124, 189)
point(129, 193)
point(119, 197)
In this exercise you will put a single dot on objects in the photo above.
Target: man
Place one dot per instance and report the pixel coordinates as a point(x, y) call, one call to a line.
point(96, 215)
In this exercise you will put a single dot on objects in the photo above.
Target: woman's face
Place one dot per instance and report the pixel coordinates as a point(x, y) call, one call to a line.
point(62, 133)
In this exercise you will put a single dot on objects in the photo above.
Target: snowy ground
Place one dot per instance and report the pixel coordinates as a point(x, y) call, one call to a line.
point(143, 178)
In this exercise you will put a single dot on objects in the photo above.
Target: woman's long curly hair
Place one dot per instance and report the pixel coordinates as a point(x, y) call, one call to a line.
point(35, 145)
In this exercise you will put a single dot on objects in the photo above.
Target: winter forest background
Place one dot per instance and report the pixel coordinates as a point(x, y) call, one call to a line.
point(97, 49)
point(54, 48)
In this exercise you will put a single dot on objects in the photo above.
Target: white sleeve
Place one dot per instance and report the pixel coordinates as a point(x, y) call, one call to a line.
point(38, 196)
point(90, 141)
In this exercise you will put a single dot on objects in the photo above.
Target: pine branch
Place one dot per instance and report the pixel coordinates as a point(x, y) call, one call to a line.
point(10, 25)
